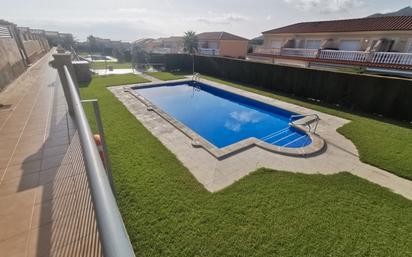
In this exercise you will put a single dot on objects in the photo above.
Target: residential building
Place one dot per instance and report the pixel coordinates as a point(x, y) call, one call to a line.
point(222, 44)
point(168, 45)
point(372, 42)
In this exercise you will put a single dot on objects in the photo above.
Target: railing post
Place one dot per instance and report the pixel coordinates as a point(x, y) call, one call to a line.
point(62, 59)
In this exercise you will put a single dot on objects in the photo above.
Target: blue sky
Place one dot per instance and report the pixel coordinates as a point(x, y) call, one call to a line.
point(129, 20)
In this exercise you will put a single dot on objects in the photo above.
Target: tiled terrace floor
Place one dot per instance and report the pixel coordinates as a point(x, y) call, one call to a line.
point(45, 205)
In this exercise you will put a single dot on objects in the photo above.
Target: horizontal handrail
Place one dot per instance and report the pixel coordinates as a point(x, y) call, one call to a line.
point(112, 232)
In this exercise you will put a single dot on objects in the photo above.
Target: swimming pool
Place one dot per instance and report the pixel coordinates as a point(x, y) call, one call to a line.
point(223, 118)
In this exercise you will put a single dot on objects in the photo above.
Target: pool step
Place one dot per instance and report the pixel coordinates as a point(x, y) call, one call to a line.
point(286, 138)
point(298, 142)
point(275, 134)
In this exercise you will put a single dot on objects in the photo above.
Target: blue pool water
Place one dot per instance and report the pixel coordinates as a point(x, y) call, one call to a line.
point(224, 118)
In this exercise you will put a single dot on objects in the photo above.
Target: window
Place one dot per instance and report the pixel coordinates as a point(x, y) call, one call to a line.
point(409, 50)
point(276, 44)
point(349, 45)
point(213, 45)
point(312, 44)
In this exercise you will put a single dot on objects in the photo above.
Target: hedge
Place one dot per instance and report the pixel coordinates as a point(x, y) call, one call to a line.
point(387, 96)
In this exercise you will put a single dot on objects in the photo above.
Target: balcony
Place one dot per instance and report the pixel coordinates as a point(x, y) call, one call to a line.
point(357, 56)
point(346, 57)
point(208, 51)
point(392, 58)
point(262, 50)
point(300, 52)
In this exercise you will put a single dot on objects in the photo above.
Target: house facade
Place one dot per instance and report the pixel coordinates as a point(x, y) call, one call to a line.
point(222, 44)
point(169, 45)
point(382, 41)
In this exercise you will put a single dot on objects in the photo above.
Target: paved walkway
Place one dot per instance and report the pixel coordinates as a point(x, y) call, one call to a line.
point(340, 155)
point(45, 205)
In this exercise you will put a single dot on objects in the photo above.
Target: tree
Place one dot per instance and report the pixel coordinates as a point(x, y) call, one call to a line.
point(91, 40)
point(190, 42)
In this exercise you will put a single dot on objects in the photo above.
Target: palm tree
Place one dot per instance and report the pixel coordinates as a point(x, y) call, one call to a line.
point(190, 41)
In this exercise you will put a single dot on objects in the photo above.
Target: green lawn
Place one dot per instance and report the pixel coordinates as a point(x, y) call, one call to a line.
point(167, 75)
point(115, 65)
point(269, 213)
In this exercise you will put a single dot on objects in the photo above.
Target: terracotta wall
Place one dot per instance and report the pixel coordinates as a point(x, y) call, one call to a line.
point(33, 49)
point(235, 48)
point(11, 62)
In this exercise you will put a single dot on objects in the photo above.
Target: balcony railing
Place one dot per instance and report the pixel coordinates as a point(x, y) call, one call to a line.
point(357, 56)
point(341, 55)
point(300, 52)
point(392, 58)
point(208, 51)
point(263, 50)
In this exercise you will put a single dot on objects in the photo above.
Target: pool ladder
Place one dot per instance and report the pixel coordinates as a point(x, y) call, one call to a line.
point(196, 76)
point(306, 120)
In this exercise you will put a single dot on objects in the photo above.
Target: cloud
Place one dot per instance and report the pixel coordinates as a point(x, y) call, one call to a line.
point(132, 10)
point(241, 118)
point(223, 19)
point(326, 6)
point(233, 126)
point(245, 117)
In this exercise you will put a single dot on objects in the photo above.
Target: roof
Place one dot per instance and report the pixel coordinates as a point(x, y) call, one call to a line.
point(394, 23)
point(172, 39)
point(219, 36)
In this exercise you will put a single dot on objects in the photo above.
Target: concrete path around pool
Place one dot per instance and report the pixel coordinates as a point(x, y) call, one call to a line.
point(340, 155)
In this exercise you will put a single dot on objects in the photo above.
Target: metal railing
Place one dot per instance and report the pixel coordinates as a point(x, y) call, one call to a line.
point(196, 76)
point(392, 58)
point(300, 52)
point(113, 235)
point(263, 50)
point(297, 120)
point(358, 56)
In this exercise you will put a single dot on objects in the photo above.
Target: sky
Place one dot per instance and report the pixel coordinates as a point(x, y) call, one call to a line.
point(129, 20)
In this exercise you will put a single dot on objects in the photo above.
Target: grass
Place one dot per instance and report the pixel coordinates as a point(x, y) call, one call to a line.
point(109, 80)
point(115, 65)
point(82, 53)
point(269, 213)
point(167, 75)
point(383, 143)
point(356, 70)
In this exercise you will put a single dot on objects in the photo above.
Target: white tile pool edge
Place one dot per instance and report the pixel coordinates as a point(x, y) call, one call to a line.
point(316, 147)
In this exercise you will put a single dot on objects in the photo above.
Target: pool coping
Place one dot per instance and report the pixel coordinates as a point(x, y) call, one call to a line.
point(316, 147)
